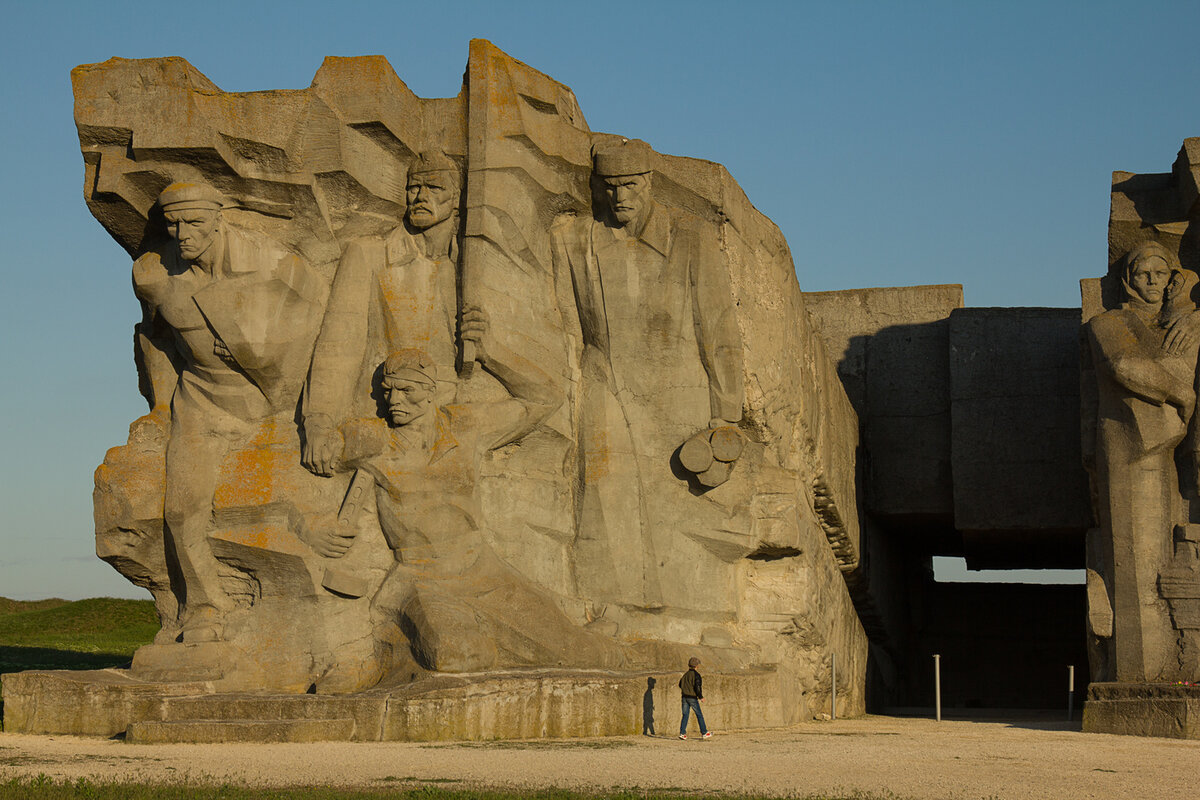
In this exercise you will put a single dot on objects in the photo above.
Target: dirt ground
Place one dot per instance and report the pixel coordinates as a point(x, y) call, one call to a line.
point(910, 758)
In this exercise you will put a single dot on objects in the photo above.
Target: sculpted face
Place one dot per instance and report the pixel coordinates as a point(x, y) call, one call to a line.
point(1149, 278)
point(432, 198)
point(628, 196)
point(193, 229)
point(407, 400)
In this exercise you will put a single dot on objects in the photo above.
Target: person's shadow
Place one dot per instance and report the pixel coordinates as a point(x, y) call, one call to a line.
point(648, 709)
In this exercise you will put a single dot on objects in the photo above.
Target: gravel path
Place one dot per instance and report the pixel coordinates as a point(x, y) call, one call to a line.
point(911, 758)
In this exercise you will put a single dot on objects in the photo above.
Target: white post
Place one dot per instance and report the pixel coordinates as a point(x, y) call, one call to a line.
point(937, 687)
point(833, 683)
point(1070, 692)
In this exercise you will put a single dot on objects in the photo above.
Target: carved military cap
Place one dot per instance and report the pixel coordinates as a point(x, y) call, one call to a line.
point(411, 364)
point(432, 161)
point(626, 157)
point(183, 195)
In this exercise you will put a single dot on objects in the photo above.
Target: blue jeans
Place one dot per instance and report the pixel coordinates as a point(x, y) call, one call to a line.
point(690, 704)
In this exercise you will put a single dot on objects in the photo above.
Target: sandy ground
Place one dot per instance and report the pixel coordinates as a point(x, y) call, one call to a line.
point(911, 758)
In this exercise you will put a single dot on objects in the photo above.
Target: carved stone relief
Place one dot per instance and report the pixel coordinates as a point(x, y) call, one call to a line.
point(1142, 333)
point(457, 385)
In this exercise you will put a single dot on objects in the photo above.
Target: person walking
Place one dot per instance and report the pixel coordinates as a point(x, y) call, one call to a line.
point(692, 687)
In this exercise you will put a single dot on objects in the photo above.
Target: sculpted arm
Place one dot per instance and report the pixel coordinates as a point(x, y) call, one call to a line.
point(337, 356)
point(716, 329)
point(157, 357)
point(565, 291)
point(535, 396)
point(1118, 356)
point(1183, 333)
point(355, 443)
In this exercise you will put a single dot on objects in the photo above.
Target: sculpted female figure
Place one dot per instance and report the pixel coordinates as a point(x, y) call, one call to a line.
point(1147, 394)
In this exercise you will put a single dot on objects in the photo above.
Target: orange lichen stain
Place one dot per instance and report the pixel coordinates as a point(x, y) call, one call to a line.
point(248, 479)
point(250, 476)
point(596, 456)
point(267, 537)
point(260, 537)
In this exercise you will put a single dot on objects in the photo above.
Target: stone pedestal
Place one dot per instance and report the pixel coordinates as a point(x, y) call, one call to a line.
point(1143, 709)
point(509, 705)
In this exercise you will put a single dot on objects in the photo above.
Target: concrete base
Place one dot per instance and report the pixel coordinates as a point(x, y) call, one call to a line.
point(208, 731)
point(1143, 709)
point(513, 705)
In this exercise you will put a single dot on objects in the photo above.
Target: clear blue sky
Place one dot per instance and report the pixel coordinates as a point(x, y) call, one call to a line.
point(894, 143)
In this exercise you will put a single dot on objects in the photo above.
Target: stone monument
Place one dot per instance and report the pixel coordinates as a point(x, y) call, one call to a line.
point(1142, 334)
point(463, 419)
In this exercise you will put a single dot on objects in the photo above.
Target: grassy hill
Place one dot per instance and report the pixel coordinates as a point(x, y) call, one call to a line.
point(85, 634)
point(13, 606)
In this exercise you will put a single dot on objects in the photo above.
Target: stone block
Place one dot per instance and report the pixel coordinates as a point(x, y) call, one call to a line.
point(85, 702)
point(847, 320)
point(515, 705)
point(1014, 386)
point(907, 434)
point(229, 731)
point(890, 347)
point(1166, 710)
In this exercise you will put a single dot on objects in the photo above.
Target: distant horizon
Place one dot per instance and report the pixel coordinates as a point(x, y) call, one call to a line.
point(917, 144)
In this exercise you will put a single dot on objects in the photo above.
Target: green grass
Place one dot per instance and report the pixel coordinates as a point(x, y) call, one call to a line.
point(44, 788)
point(13, 606)
point(86, 634)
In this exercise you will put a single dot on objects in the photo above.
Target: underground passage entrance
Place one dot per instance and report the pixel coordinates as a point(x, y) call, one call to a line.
point(1006, 640)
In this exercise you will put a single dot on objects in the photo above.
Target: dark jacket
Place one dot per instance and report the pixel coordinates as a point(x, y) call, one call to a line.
point(692, 684)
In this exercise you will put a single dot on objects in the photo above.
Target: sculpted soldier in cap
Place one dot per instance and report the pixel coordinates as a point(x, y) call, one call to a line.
point(228, 318)
point(389, 294)
point(459, 606)
point(661, 359)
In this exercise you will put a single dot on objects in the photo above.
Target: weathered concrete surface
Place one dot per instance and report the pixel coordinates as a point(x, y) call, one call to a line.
point(214, 731)
point(1138, 382)
point(88, 703)
point(890, 346)
point(501, 706)
point(453, 225)
point(1167, 710)
point(1015, 454)
point(968, 416)
point(1156, 206)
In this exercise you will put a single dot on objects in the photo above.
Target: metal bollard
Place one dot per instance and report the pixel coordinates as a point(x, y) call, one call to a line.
point(937, 687)
point(1070, 692)
point(833, 684)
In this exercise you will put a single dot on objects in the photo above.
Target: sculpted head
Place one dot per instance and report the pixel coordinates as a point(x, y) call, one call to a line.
point(625, 170)
point(409, 385)
point(433, 190)
point(1149, 270)
point(193, 215)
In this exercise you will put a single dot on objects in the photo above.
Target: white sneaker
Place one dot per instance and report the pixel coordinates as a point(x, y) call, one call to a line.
point(683, 736)
point(707, 735)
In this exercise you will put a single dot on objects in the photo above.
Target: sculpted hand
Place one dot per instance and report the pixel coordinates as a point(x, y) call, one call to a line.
point(322, 442)
point(1185, 402)
point(221, 351)
point(475, 329)
point(334, 542)
point(1183, 333)
point(327, 537)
